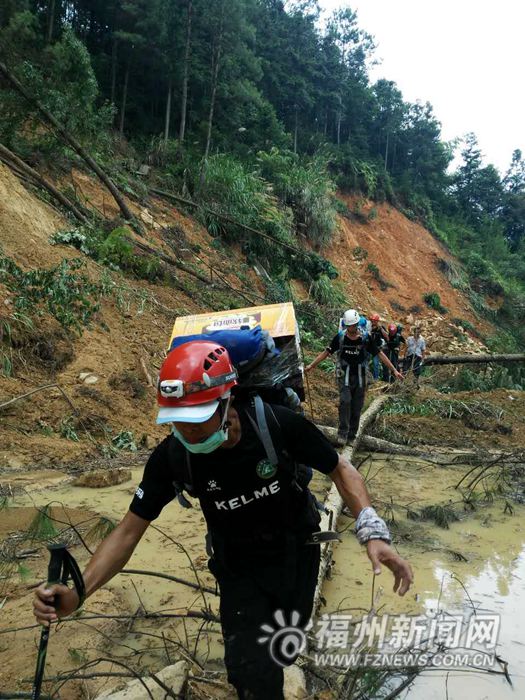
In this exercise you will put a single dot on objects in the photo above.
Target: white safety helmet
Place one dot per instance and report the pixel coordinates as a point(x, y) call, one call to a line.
point(350, 317)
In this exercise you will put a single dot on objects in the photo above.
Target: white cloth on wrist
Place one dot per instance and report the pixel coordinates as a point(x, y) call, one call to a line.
point(369, 526)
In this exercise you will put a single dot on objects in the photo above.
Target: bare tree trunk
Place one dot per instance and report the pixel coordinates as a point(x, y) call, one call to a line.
point(386, 148)
point(124, 100)
point(215, 80)
point(168, 113)
point(295, 128)
point(51, 21)
point(68, 138)
point(113, 69)
point(11, 158)
point(462, 359)
point(184, 103)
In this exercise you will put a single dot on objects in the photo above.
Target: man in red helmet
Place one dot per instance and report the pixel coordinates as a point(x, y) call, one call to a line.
point(260, 515)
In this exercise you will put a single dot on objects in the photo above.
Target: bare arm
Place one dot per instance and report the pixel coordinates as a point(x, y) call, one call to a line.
point(352, 489)
point(351, 486)
point(384, 359)
point(322, 356)
point(110, 557)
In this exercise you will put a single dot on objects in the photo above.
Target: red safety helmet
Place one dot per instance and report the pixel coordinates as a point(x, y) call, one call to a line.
point(192, 380)
point(375, 317)
point(392, 328)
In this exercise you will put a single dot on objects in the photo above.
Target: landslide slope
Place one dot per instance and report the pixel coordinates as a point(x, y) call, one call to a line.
point(104, 372)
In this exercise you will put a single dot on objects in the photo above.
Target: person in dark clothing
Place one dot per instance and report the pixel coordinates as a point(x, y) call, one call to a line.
point(379, 336)
point(393, 345)
point(260, 519)
point(353, 351)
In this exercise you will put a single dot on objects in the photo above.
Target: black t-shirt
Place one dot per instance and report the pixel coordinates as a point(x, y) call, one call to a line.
point(354, 352)
point(377, 335)
point(394, 342)
point(240, 491)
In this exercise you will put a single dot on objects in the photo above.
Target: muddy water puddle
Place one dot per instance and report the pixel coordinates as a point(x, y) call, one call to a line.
point(478, 563)
point(492, 579)
point(144, 643)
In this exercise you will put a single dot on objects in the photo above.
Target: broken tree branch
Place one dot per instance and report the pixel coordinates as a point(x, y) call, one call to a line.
point(224, 217)
point(69, 139)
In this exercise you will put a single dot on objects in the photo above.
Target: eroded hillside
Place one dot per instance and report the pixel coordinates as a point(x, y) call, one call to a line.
point(105, 369)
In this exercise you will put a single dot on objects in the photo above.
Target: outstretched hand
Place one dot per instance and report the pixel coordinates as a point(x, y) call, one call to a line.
point(379, 552)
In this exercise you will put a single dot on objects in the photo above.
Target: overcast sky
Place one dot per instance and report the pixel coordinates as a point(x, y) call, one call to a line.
point(465, 57)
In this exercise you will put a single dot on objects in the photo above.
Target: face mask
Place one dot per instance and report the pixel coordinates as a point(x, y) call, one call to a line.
point(209, 445)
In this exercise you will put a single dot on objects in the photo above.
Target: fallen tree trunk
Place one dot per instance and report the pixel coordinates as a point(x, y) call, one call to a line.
point(463, 359)
point(11, 159)
point(429, 453)
point(70, 140)
point(333, 501)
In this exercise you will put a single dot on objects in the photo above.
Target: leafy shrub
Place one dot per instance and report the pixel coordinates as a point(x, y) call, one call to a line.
point(324, 292)
point(465, 379)
point(67, 295)
point(484, 277)
point(306, 187)
point(115, 250)
point(376, 274)
point(433, 300)
point(231, 189)
point(360, 253)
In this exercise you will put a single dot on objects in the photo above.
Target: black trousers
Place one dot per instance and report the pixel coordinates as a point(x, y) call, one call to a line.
point(413, 362)
point(351, 401)
point(393, 356)
point(251, 593)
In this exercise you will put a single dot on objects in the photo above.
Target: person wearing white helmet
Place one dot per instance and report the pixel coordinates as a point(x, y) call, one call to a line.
point(353, 351)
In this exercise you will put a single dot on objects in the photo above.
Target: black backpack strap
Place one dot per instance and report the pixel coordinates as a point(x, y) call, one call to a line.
point(276, 455)
point(186, 482)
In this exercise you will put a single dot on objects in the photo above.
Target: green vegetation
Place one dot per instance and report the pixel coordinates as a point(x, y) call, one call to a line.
point(63, 292)
point(485, 380)
point(376, 274)
point(360, 253)
point(270, 133)
point(433, 300)
point(113, 249)
point(452, 408)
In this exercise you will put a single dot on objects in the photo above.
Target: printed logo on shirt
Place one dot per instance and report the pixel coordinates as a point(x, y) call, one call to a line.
point(265, 469)
point(139, 493)
point(243, 499)
point(212, 486)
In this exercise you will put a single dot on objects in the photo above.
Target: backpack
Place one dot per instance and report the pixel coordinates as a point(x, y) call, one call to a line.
point(263, 369)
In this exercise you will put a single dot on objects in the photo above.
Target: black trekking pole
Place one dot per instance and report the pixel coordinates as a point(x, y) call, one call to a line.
point(54, 575)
